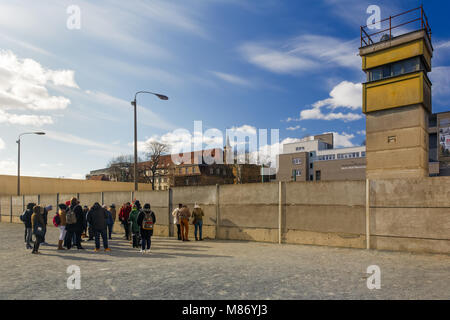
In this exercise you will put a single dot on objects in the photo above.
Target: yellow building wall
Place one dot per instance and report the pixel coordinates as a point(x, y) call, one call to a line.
point(396, 92)
point(397, 53)
point(36, 185)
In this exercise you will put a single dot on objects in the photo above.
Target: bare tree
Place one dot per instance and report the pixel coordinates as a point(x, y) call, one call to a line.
point(151, 170)
point(120, 168)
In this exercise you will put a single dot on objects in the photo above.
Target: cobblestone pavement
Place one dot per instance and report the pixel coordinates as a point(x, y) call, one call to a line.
point(215, 270)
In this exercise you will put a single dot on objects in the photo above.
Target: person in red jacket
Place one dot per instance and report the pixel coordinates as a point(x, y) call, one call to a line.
point(124, 215)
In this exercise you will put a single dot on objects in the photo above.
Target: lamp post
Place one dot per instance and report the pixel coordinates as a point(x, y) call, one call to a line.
point(18, 157)
point(134, 103)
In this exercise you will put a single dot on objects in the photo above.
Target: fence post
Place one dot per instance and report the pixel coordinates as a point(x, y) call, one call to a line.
point(170, 206)
point(10, 209)
point(280, 211)
point(367, 214)
point(217, 212)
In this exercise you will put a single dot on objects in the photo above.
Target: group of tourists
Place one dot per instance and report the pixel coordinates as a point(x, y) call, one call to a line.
point(181, 217)
point(75, 222)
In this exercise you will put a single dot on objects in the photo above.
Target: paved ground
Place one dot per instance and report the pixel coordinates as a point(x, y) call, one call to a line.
point(215, 270)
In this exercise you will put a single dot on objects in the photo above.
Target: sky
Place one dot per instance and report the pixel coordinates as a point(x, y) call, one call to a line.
point(241, 65)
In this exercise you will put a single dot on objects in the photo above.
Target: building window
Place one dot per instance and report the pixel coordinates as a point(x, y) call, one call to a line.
point(311, 165)
point(311, 177)
point(296, 161)
point(363, 154)
point(186, 170)
point(179, 171)
point(318, 175)
point(299, 148)
point(395, 69)
point(193, 169)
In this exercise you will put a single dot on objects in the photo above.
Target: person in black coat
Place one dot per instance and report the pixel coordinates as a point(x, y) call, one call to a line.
point(97, 219)
point(74, 230)
point(146, 232)
point(26, 219)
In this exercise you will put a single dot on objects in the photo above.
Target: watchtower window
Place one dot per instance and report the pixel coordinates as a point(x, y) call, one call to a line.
point(395, 69)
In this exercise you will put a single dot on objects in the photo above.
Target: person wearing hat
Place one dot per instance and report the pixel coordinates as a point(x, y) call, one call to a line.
point(146, 221)
point(197, 221)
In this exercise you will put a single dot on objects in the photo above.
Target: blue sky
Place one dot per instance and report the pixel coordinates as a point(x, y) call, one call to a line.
point(241, 64)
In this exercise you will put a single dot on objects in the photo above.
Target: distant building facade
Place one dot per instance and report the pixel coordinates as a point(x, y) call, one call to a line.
point(314, 159)
point(192, 170)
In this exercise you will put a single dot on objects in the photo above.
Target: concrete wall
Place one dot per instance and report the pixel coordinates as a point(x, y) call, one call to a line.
point(34, 185)
point(325, 213)
point(204, 196)
point(404, 214)
point(410, 214)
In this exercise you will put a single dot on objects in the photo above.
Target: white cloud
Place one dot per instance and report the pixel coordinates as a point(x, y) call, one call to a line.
point(277, 61)
point(442, 45)
point(23, 86)
point(316, 114)
point(297, 127)
point(78, 176)
point(344, 95)
point(233, 79)
point(361, 132)
point(8, 167)
point(342, 140)
point(2, 144)
point(244, 129)
point(305, 52)
point(289, 119)
point(25, 120)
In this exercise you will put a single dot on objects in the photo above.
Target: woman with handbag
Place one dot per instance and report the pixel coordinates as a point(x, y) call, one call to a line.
point(38, 225)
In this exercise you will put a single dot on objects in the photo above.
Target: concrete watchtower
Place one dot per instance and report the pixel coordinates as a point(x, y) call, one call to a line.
point(397, 97)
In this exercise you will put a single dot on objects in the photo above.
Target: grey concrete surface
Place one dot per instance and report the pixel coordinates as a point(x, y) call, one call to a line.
point(215, 270)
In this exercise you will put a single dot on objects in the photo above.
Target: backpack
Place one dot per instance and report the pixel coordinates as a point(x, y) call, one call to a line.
point(71, 217)
point(56, 220)
point(147, 223)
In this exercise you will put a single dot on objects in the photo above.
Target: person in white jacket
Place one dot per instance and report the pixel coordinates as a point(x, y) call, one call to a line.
point(176, 219)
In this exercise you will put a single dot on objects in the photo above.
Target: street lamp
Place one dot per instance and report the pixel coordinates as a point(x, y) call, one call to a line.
point(18, 157)
point(134, 103)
